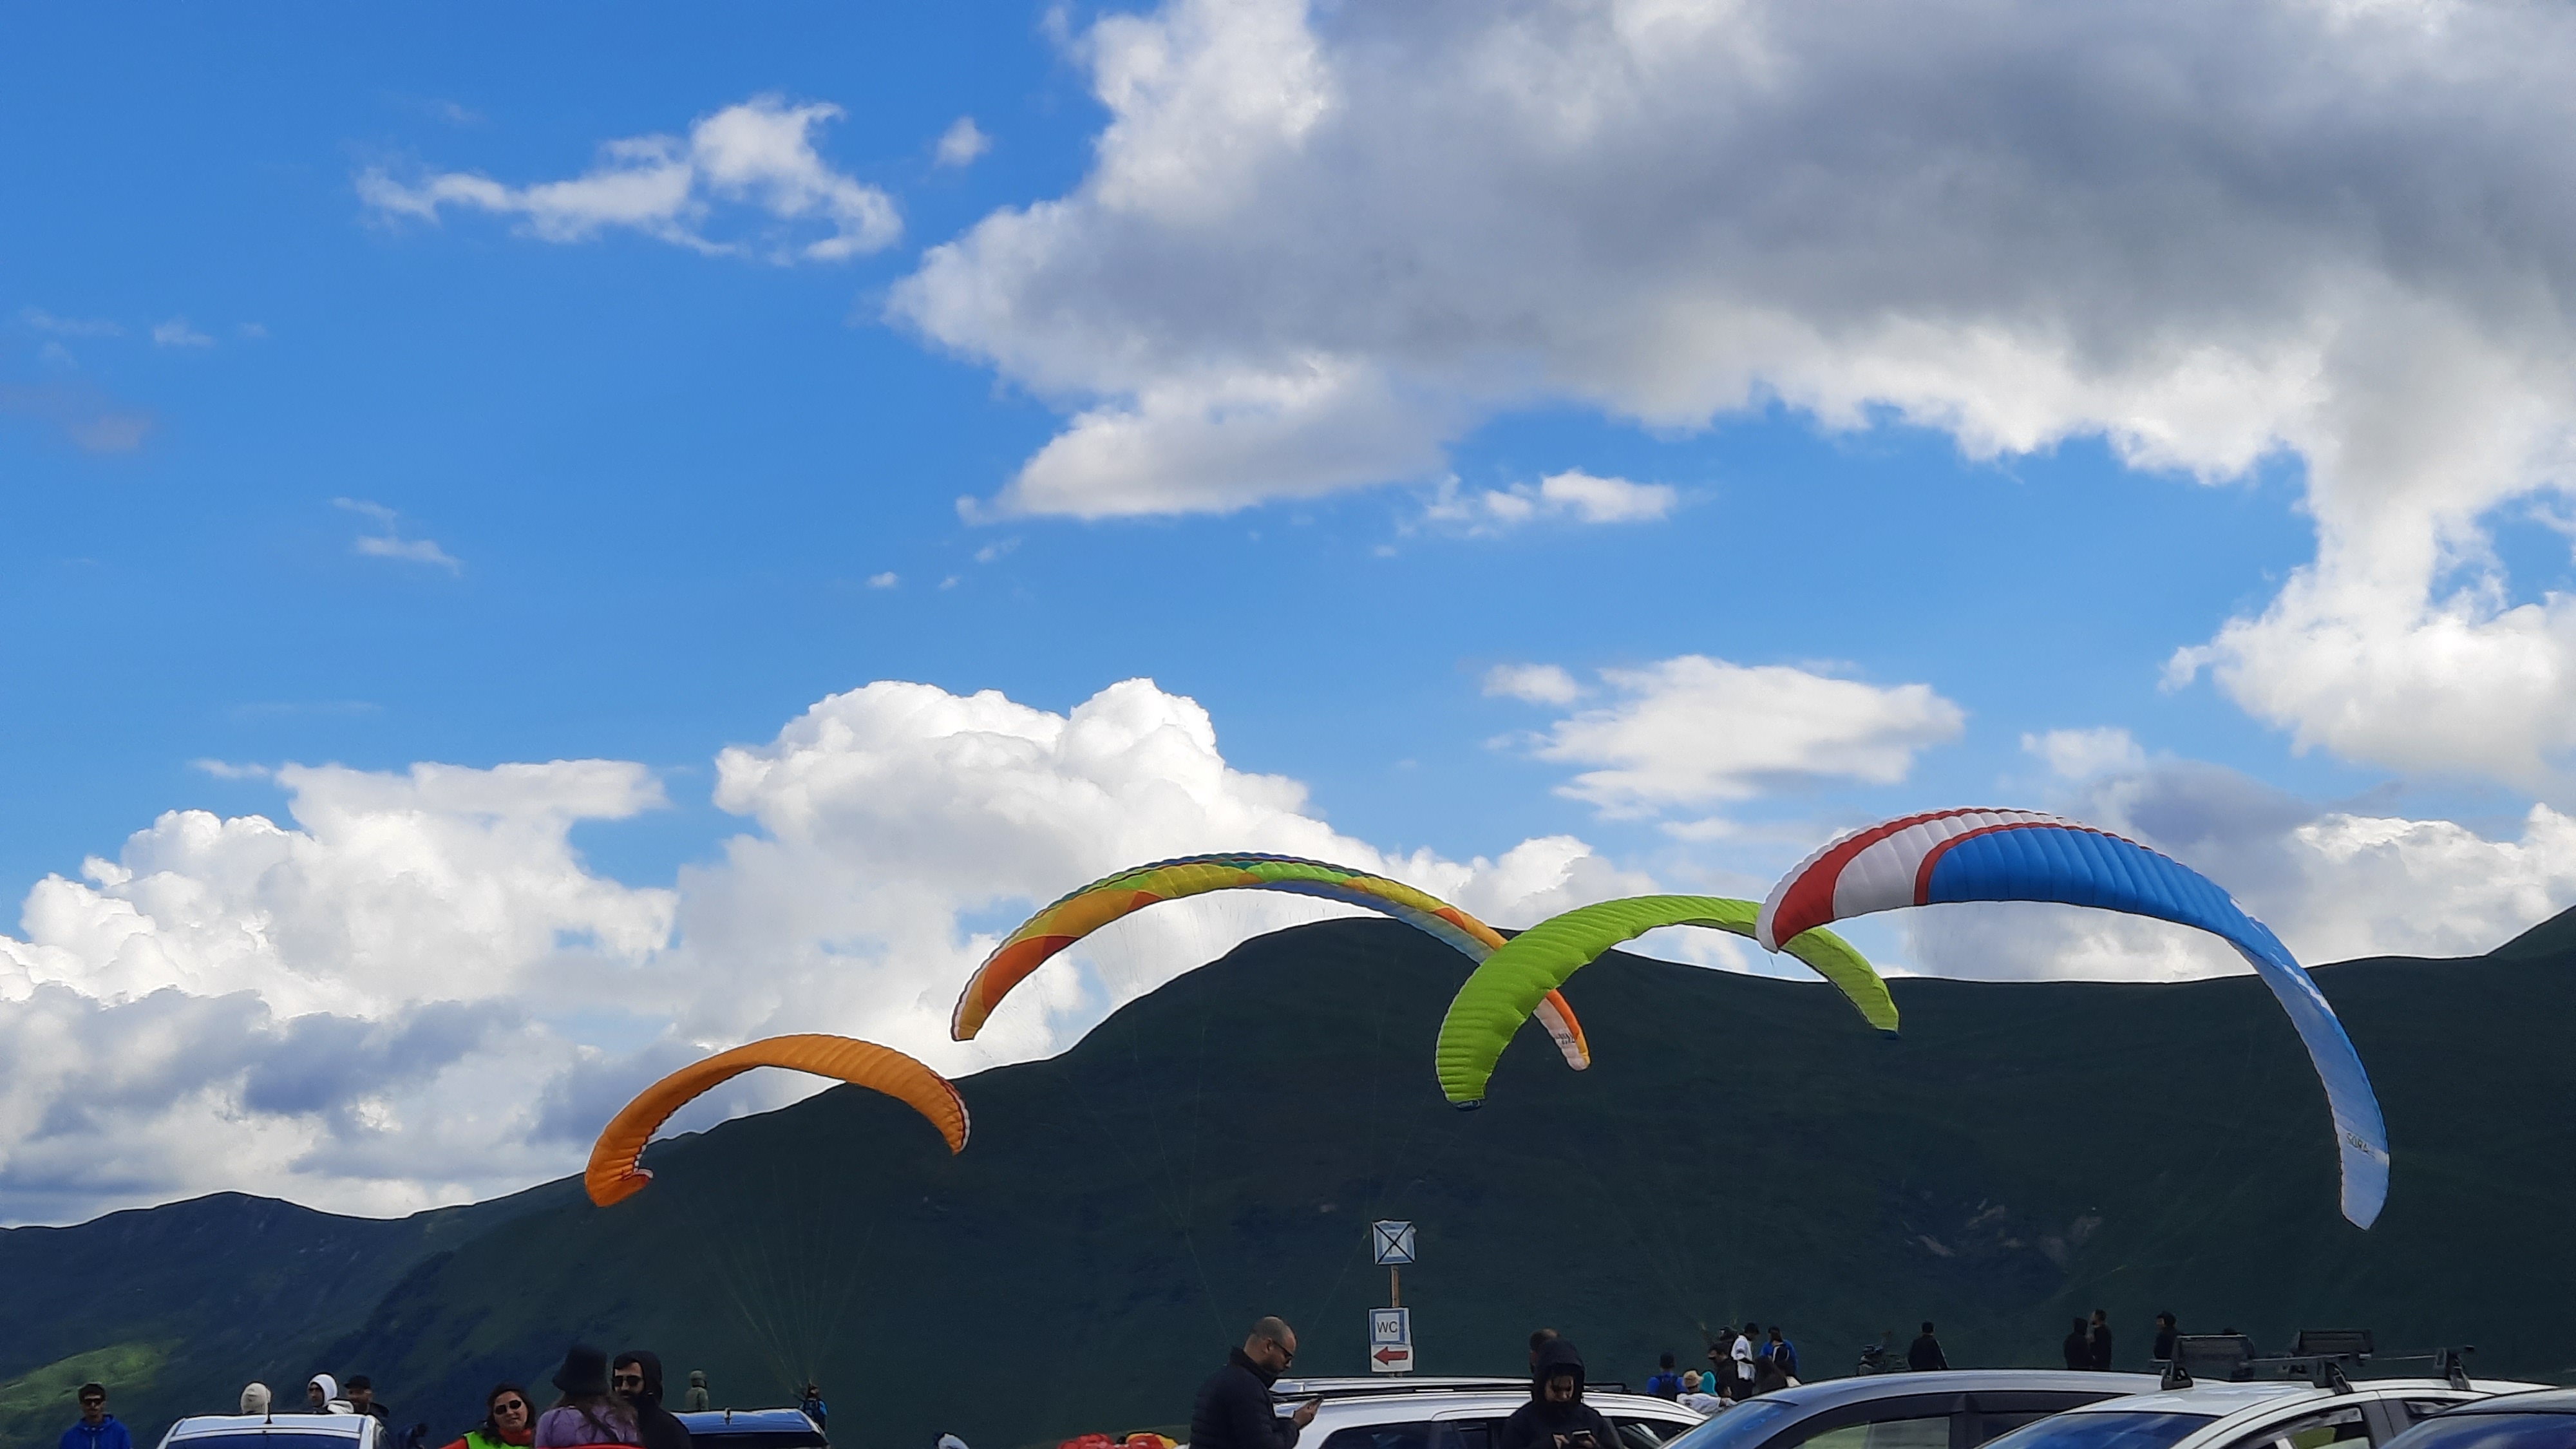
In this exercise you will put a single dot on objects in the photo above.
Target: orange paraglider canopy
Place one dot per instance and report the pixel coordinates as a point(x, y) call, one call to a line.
point(616, 1172)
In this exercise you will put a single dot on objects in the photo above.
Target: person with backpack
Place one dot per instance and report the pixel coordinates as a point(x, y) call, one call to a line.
point(1785, 1354)
point(1664, 1383)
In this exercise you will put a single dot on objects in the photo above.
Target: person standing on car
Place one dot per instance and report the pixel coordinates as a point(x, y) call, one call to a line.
point(2101, 1337)
point(97, 1428)
point(696, 1401)
point(2167, 1330)
point(1233, 1409)
point(637, 1377)
point(1924, 1355)
point(508, 1422)
point(589, 1411)
point(1556, 1416)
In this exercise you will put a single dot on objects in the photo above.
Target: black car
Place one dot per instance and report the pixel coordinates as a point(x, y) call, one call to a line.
point(751, 1429)
point(2543, 1420)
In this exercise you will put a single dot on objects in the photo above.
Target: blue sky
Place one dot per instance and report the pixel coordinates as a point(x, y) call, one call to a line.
point(1251, 337)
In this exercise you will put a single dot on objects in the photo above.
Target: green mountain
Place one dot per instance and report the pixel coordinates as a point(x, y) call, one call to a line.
point(1743, 1147)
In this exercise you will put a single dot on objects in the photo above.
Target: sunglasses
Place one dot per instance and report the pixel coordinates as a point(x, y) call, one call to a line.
point(511, 1406)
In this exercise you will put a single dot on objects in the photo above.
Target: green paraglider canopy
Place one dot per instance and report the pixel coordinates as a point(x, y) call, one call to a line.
point(1509, 985)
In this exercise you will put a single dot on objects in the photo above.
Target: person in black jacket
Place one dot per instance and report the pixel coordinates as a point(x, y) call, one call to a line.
point(637, 1378)
point(2167, 1330)
point(1924, 1355)
point(1233, 1409)
point(2079, 1346)
point(1556, 1416)
point(2101, 1340)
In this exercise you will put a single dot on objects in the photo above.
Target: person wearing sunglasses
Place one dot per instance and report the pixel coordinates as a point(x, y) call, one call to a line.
point(97, 1428)
point(507, 1421)
point(636, 1375)
point(1233, 1410)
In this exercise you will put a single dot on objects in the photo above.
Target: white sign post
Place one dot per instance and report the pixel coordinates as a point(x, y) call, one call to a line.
point(1390, 1340)
point(1391, 1328)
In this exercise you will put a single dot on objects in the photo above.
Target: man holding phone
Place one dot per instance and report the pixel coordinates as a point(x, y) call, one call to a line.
point(1556, 1416)
point(1233, 1410)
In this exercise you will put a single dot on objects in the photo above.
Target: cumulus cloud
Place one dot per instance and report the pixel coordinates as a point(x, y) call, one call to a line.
point(962, 142)
point(887, 580)
point(1533, 683)
point(414, 990)
point(2335, 884)
point(757, 156)
point(1695, 731)
point(1573, 496)
point(389, 542)
point(44, 321)
point(2079, 754)
point(1318, 244)
point(177, 333)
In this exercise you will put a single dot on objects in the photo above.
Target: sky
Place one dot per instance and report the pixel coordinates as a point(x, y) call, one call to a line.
point(535, 545)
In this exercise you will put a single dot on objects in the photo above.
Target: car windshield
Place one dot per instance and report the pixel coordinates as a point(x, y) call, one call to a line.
point(1741, 1427)
point(2490, 1431)
point(265, 1439)
point(2115, 1429)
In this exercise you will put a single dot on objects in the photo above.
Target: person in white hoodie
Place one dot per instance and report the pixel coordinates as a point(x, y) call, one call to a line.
point(255, 1398)
point(322, 1396)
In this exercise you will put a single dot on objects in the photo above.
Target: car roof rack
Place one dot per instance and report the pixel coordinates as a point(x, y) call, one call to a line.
point(1298, 1391)
point(2326, 1357)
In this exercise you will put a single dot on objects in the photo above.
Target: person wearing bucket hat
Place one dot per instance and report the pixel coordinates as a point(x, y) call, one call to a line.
point(589, 1411)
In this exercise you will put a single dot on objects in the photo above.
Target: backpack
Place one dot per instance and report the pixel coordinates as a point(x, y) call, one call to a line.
point(1665, 1386)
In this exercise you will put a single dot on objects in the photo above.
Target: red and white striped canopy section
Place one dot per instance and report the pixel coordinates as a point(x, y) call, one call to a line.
point(1888, 865)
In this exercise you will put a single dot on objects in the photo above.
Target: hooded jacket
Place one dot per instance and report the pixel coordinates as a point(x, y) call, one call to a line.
point(696, 1400)
point(332, 1403)
point(1540, 1424)
point(653, 1423)
point(1233, 1409)
point(106, 1434)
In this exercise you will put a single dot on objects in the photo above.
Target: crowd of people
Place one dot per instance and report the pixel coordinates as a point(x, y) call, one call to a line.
point(599, 1400)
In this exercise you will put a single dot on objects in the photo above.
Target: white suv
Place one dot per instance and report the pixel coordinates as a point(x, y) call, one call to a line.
point(1458, 1414)
point(276, 1431)
point(2262, 1415)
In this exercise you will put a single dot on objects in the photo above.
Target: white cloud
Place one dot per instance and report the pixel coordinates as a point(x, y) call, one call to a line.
point(1573, 495)
point(95, 422)
point(1315, 247)
point(390, 543)
point(758, 155)
point(2081, 754)
point(962, 142)
point(1694, 731)
point(1535, 683)
point(44, 321)
point(224, 770)
point(886, 580)
point(416, 991)
point(177, 333)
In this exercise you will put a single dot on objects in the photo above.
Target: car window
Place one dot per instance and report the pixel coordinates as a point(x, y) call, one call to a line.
point(2411, 1411)
point(1990, 1424)
point(1932, 1431)
point(1645, 1433)
point(2310, 1431)
point(2115, 1429)
point(2490, 1431)
point(1411, 1434)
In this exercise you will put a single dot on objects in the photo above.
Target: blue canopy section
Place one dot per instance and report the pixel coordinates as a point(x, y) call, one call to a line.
point(2086, 868)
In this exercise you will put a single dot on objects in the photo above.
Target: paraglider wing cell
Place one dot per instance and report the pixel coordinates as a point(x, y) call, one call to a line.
point(1513, 981)
point(1040, 937)
point(615, 1172)
point(2023, 855)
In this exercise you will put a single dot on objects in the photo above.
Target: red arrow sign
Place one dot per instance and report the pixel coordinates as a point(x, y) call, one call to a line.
point(1392, 1355)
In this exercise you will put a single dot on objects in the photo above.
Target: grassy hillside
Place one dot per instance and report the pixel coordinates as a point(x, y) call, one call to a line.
point(1742, 1147)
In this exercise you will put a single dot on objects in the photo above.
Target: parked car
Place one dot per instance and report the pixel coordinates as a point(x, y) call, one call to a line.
point(1455, 1414)
point(276, 1431)
point(2543, 1420)
point(751, 1429)
point(1948, 1409)
point(2278, 1414)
